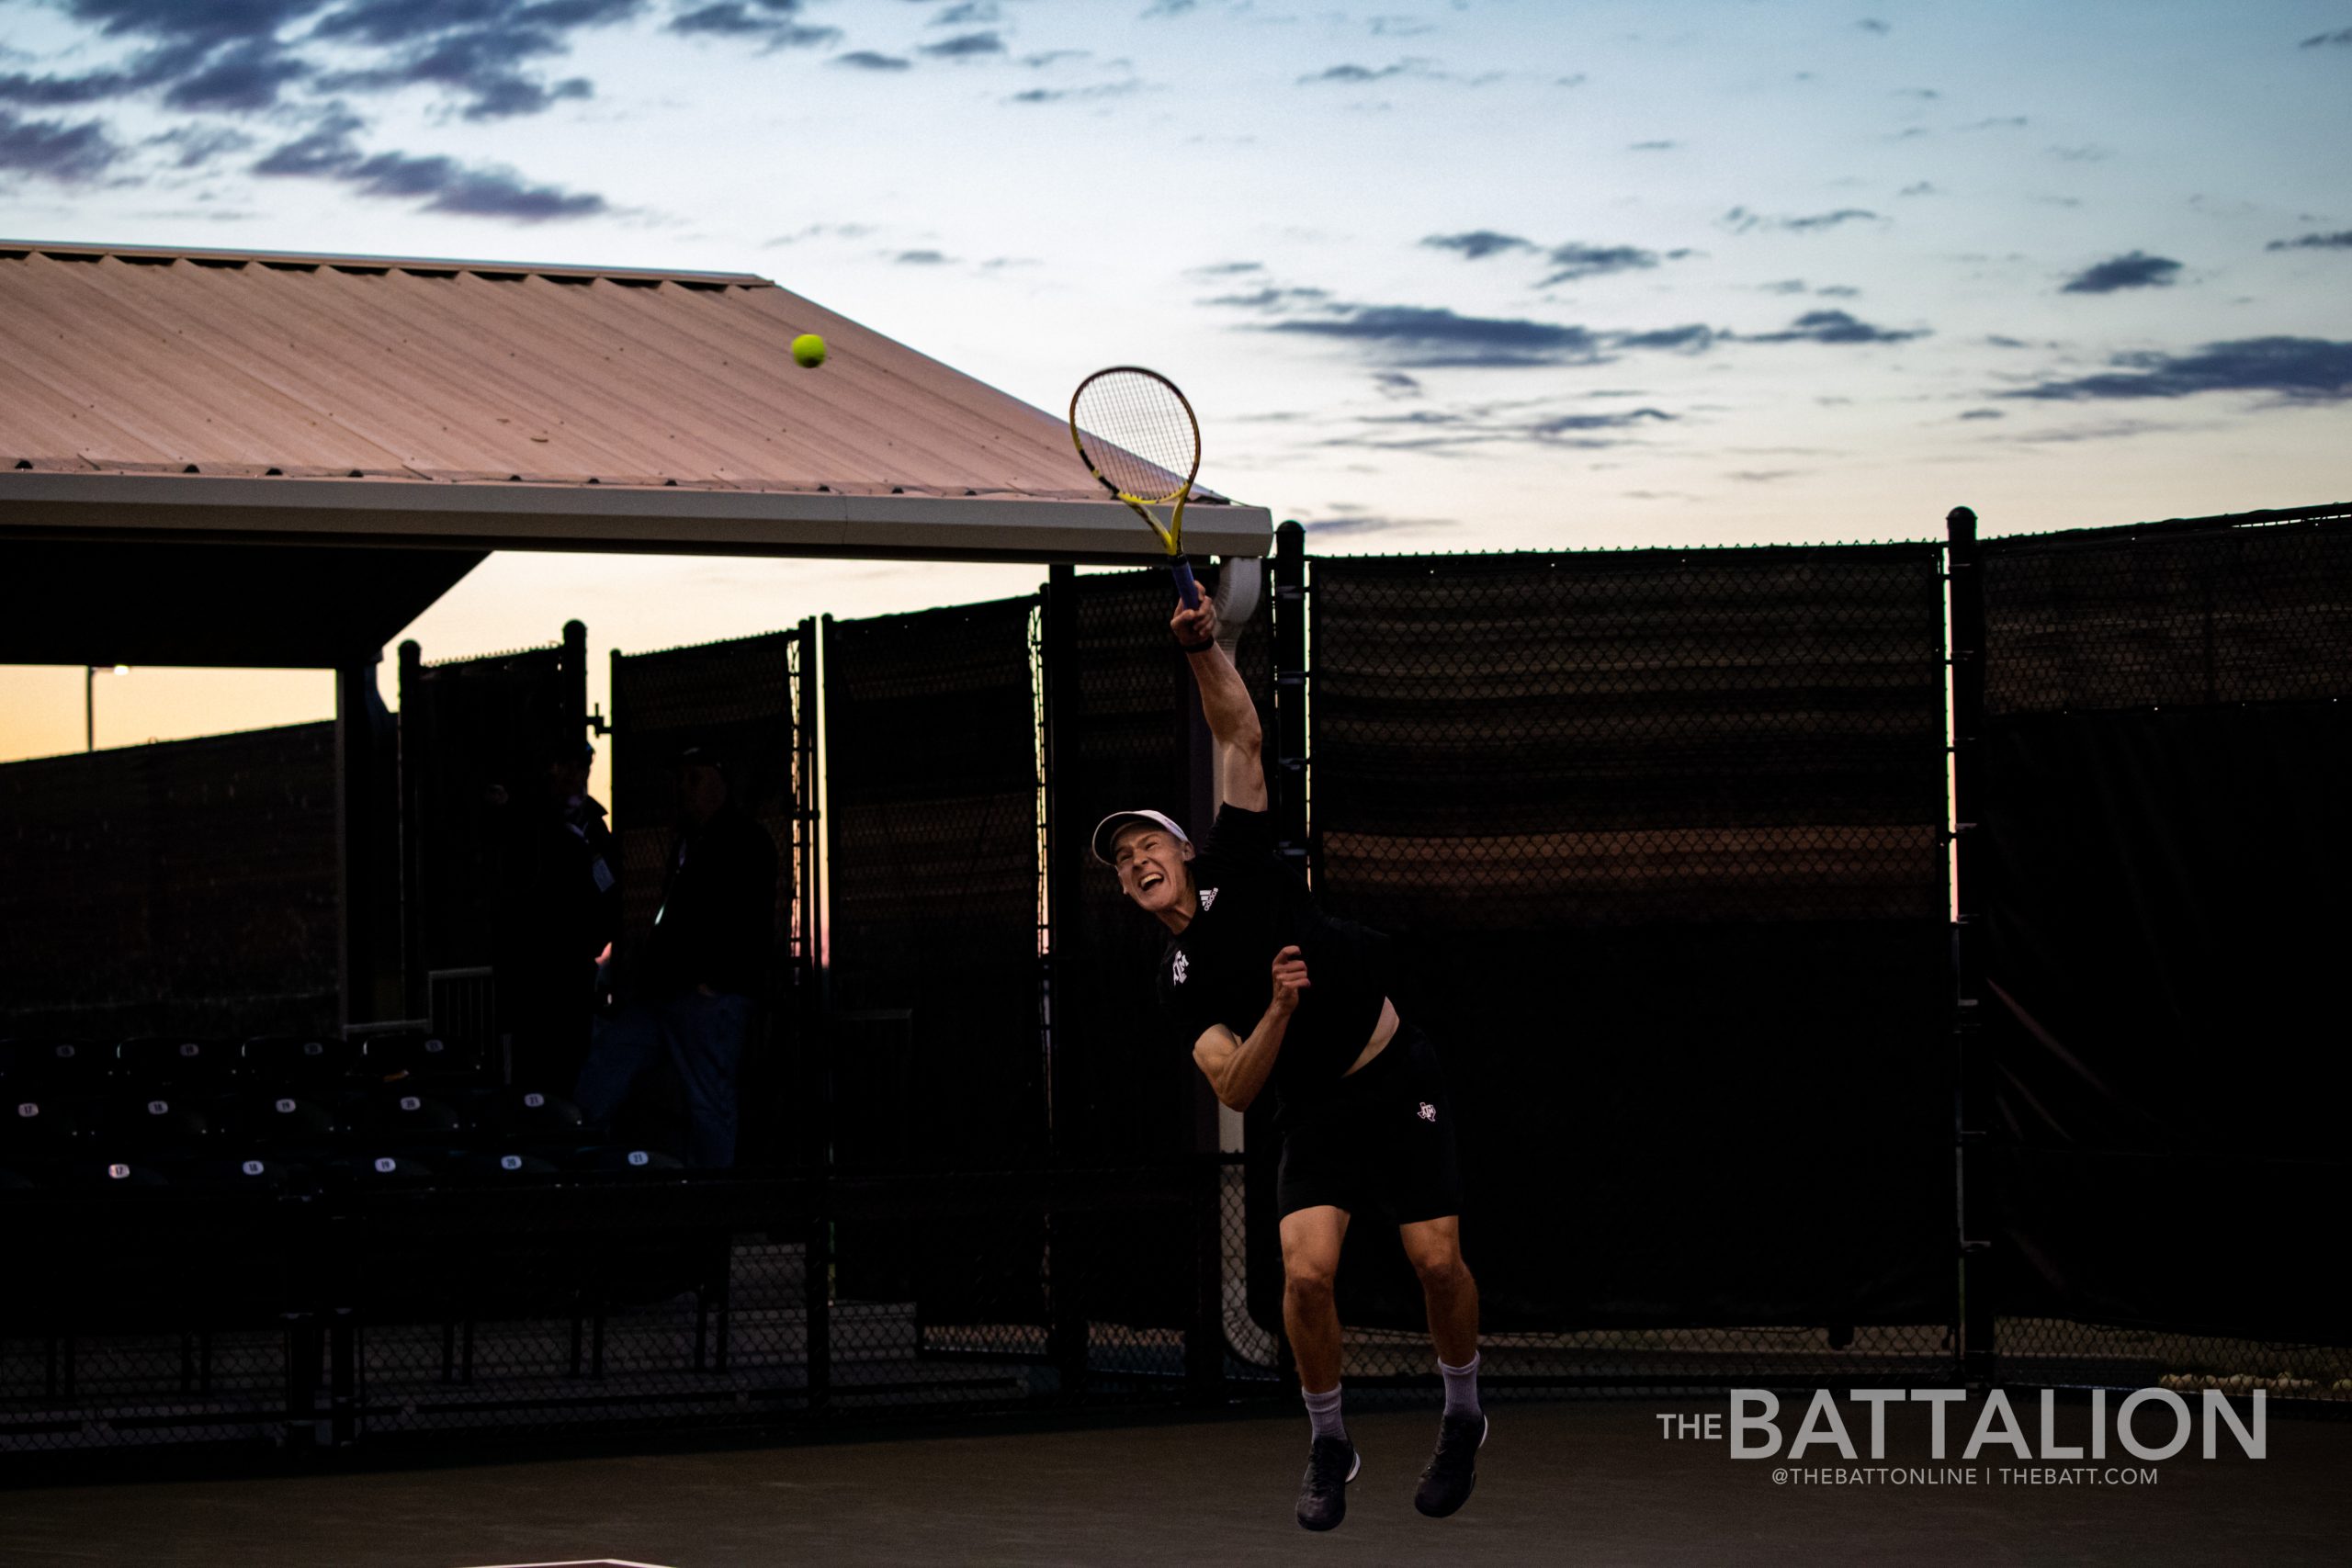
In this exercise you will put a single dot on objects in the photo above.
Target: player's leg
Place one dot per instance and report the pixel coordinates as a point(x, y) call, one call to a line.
point(620, 1049)
point(1427, 1199)
point(1311, 1240)
point(1448, 1289)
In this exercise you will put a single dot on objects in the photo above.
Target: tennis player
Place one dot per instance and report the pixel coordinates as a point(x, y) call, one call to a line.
point(1270, 992)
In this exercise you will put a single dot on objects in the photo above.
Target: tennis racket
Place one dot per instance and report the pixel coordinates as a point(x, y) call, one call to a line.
point(1136, 436)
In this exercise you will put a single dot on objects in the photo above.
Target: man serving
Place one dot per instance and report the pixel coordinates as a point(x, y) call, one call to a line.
point(1269, 991)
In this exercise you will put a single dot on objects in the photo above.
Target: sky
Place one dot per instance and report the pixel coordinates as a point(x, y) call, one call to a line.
point(1440, 277)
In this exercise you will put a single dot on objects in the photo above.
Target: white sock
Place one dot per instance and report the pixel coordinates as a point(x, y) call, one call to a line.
point(1323, 1410)
point(1461, 1387)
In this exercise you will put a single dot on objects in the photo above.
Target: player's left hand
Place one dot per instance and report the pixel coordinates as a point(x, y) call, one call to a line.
point(1194, 625)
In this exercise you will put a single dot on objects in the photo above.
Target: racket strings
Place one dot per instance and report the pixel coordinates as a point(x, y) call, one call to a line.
point(1139, 434)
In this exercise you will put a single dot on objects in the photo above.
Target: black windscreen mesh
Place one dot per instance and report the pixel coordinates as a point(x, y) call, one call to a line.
point(472, 729)
point(739, 699)
point(188, 887)
point(931, 803)
point(1659, 836)
point(1122, 738)
point(2166, 753)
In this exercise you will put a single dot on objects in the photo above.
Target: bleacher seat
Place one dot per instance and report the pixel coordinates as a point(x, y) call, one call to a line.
point(164, 1120)
point(115, 1176)
point(383, 1167)
point(173, 1058)
point(530, 1114)
point(394, 1056)
point(277, 1118)
point(622, 1160)
point(59, 1065)
point(248, 1172)
point(403, 1112)
point(293, 1059)
point(42, 1127)
point(508, 1166)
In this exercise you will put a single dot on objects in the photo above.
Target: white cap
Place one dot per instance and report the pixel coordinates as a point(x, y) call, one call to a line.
point(1106, 830)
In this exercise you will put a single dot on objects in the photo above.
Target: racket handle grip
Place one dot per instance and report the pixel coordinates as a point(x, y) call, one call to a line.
point(1186, 588)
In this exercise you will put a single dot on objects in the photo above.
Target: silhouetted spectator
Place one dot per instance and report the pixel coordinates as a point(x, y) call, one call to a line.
point(560, 908)
point(692, 991)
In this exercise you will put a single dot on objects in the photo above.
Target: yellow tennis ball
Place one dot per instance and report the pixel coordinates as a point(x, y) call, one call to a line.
point(809, 350)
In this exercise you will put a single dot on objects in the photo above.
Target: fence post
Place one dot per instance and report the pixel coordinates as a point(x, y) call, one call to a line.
point(414, 997)
point(1066, 1260)
point(816, 1057)
point(1290, 692)
point(1969, 1081)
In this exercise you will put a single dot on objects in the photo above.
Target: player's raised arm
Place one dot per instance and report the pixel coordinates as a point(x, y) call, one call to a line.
point(1224, 701)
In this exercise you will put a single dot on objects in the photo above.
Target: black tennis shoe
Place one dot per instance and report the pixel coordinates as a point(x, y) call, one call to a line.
point(1331, 1463)
point(1453, 1469)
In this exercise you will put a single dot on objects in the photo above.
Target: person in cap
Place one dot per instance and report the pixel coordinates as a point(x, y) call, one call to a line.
point(1270, 993)
point(695, 989)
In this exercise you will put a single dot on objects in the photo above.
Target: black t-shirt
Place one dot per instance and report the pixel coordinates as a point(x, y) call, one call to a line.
point(1220, 969)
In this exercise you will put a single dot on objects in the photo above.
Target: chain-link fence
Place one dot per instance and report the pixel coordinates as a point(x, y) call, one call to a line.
point(1659, 838)
point(741, 701)
point(181, 888)
point(2161, 872)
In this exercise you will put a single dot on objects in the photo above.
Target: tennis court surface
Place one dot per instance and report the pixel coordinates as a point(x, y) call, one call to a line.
point(1580, 1482)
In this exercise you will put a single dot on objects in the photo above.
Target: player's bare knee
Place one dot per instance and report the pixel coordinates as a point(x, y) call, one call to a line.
point(1310, 1279)
point(1442, 1270)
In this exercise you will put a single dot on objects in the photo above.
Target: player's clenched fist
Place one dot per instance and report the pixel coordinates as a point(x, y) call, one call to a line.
point(1194, 626)
point(1290, 980)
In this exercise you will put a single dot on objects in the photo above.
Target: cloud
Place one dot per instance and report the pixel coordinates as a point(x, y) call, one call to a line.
point(964, 46)
point(1578, 260)
point(1653, 146)
point(1982, 413)
point(1739, 219)
point(1063, 95)
point(1166, 8)
point(195, 146)
point(1463, 431)
point(772, 21)
point(1224, 269)
point(1272, 300)
point(2341, 240)
point(2135, 270)
point(2321, 40)
point(1427, 336)
point(1396, 384)
point(477, 50)
point(223, 56)
point(1477, 243)
point(51, 150)
point(1872, 24)
point(1834, 327)
point(2087, 153)
point(1357, 74)
point(240, 80)
point(1921, 188)
point(922, 258)
point(970, 12)
point(1346, 517)
point(867, 59)
point(442, 184)
point(2295, 369)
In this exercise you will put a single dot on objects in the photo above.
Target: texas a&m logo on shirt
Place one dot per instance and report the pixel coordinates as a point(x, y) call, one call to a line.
point(1178, 967)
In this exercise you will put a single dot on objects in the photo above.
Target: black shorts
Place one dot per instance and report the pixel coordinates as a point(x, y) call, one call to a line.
point(1383, 1141)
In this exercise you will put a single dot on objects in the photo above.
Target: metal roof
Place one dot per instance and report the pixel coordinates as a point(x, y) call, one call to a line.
point(382, 401)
